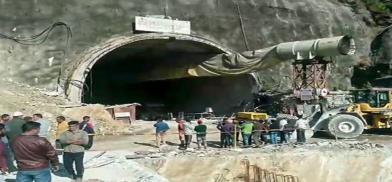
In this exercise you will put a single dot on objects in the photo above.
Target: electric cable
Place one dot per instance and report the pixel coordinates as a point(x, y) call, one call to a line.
point(40, 37)
point(241, 24)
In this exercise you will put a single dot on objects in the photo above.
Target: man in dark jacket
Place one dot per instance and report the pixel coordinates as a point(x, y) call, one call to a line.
point(86, 126)
point(222, 135)
point(228, 130)
point(33, 155)
point(14, 127)
point(274, 131)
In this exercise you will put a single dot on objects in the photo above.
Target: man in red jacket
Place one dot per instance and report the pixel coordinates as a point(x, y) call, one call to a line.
point(3, 158)
point(33, 155)
point(181, 132)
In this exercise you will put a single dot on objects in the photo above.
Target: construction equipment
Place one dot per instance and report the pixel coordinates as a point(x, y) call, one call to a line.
point(372, 108)
point(253, 116)
point(310, 72)
point(374, 105)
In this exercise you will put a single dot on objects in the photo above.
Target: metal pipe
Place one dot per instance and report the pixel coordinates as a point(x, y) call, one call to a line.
point(309, 49)
point(257, 60)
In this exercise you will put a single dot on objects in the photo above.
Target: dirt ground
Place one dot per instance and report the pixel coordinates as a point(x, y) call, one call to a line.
point(363, 159)
point(367, 158)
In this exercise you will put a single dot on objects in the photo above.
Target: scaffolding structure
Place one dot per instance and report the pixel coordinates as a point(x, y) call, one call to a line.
point(310, 74)
point(253, 173)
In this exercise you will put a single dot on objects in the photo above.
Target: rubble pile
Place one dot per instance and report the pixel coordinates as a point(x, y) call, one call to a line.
point(16, 96)
point(29, 100)
point(173, 151)
point(357, 145)
point(101, 119)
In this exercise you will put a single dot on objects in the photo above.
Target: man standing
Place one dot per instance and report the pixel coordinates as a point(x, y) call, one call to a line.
point(222, 134)
point(228, 130)
point(3, 157)
point(282, 125)
point(86, 126)
point(246, 129)
point(73, 141)
point(33, 155)
point(160, 131)
point(62, 126)
point(11, 131)
point(265, 129)
point(258, 129)
point(181, 132)
point(5, 118)
point(274, 127)
point(14, 126)
point(45, 125)
point(301, 125)
point(201, 132)
point(188, 133)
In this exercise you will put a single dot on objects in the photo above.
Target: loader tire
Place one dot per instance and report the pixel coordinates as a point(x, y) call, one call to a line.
point(345, 126)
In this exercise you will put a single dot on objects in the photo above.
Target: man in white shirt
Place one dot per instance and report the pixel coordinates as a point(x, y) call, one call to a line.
point(45, 125)
point(188, 133)
point(282, 124)
point(301, 125)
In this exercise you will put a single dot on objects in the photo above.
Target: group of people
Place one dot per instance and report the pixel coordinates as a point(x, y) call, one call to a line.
point(258, 132)
point(261, 132)
point(185, 132)
point(27, 140)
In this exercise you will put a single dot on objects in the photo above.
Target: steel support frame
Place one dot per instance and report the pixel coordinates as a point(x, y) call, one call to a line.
point(310, 74)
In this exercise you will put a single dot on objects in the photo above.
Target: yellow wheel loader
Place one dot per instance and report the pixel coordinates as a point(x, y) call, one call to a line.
point(374, 106)
point(371, 108)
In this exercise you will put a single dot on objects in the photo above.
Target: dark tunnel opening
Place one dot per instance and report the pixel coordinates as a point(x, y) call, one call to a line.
point(141, 72)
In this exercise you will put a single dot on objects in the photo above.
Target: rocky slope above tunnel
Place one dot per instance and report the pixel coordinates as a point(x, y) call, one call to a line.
point(238, 25)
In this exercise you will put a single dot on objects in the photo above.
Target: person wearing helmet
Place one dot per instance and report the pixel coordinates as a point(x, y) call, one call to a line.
point(14, 126)
point(201, 132)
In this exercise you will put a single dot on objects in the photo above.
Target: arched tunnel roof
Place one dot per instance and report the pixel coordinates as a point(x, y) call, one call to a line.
point(79, 69)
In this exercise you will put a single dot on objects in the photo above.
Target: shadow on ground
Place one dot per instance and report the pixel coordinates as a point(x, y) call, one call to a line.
point(384, 131)
point(146, 144)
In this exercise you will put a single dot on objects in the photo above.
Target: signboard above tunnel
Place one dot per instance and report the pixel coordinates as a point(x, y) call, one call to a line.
point(150, 24)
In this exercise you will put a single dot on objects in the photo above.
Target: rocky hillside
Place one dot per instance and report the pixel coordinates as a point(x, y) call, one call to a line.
point(380, 21)
point(378, 71)
point(373, 33)
point(238, 25)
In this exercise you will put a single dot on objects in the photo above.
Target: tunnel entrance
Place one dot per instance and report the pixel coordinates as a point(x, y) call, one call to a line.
point(152, 72)
point(224, 94)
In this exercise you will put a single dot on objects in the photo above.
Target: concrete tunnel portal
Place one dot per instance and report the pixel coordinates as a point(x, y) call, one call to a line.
point(148, 71)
